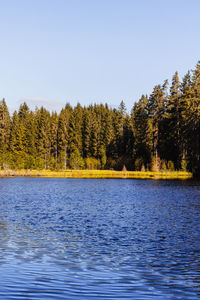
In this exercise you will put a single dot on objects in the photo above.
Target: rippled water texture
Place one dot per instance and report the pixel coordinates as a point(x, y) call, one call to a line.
point(96, 238)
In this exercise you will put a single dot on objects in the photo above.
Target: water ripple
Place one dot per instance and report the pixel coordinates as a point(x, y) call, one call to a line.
point(108, 239)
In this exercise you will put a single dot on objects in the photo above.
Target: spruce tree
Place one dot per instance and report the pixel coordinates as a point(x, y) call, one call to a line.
point(43, 137)
point(142, 133)
point(191, 115)
point(4, 132)
point(63, 136)
point(157, 110)
point(173, 137)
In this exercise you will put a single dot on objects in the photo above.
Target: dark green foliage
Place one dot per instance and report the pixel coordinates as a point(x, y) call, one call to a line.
point(4, 132)
point(162, 132)
point(142, 133)
point(76, 161)
point(173, 124)
point(43, 130)
point(157, 110)
point(191, 119)
point(62, 137)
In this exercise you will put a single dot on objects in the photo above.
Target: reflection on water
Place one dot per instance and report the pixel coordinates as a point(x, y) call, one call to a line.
point(90, 238)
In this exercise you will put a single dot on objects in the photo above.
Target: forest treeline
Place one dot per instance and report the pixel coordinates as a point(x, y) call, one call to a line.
point(161, 132)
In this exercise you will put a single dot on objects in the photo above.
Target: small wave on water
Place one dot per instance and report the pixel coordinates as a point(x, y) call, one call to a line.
point(97, 238)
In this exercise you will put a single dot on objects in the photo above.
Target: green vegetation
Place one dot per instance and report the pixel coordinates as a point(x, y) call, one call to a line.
point(161, 134)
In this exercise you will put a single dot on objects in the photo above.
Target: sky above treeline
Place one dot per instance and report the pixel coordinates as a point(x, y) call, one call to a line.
point(93, 51)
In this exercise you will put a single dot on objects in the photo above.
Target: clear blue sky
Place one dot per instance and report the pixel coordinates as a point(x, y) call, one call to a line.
point(58, 51)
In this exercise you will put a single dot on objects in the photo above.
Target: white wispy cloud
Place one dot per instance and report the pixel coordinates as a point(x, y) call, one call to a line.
point(51, 104)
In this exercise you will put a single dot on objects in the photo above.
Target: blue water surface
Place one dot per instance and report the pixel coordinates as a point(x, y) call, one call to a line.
point(99, 239)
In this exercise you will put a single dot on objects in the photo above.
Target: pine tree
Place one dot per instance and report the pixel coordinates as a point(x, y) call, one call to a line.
point(142, 133)
point(26, 119)
point(173, 136)
point(17, 141)
point(191, 116)
point(86, 132)
point(43, 136)
point(4, 132)
point(63, 135)
point(157, 110)
point(54, 137)
point(75, 130)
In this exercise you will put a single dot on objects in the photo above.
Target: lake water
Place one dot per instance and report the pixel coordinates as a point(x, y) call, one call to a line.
point(99, 239)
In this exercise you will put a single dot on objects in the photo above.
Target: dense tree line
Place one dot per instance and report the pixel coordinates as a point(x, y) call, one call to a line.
point(162, 132)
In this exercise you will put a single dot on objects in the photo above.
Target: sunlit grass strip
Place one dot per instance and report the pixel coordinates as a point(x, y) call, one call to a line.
point(98, 174)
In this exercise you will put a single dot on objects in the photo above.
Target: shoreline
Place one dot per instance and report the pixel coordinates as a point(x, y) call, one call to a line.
point(98, 174)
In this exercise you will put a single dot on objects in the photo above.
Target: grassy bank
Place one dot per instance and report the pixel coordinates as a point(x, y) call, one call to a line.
point(98, 174)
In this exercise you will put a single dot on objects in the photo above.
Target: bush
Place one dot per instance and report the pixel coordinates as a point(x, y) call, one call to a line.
point(163, 165)
point(139, 163)
point(29, 162)
point(184, 165)
point(52, 164)
point(155, 164)
point(103, 158)
point(92, 163)
point(39, 163)
point(76, 162)
point(170, 165)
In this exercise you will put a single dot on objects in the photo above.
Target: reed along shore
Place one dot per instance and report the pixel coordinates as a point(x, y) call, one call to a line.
point(97, 174)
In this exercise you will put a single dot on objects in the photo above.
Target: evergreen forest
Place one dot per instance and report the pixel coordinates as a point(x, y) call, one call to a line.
point(162, 132)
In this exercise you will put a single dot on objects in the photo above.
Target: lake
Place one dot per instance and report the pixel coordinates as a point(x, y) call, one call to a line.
point(99, 239)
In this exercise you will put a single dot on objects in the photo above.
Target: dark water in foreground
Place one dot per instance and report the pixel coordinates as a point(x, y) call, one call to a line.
point(90, 238)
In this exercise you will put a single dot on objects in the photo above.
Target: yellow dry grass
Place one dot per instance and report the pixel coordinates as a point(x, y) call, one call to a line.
point(98, 174)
